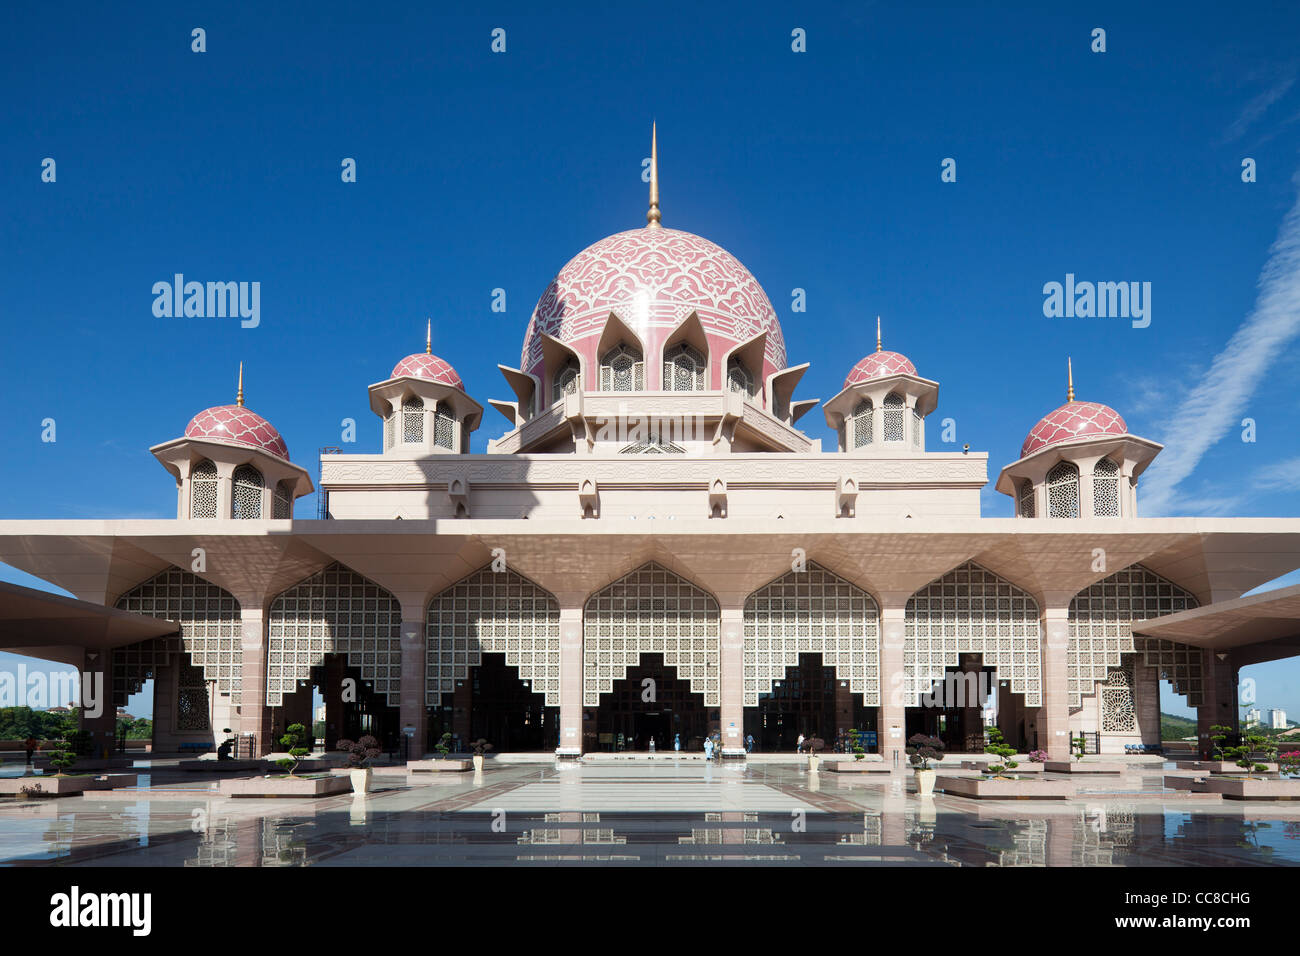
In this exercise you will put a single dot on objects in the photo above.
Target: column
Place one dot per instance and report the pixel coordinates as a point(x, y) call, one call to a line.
point(731, 683)
point(1219, 700)
point(571, 742)
point(254, 715)
point(891, 727)
point(332, 693)
point(98, 712)
point(413, 712)
point(1054, 716)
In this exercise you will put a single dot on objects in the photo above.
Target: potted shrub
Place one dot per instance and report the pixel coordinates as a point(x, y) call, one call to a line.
point(814, 746)
point(360, 752)
point(61, 760)
point(1078, 745)
point(997, 746)
point(1218, 734)
point(1289, 763)
point(443, 746)
point(855, 745)
point(1245, 754)
point(921, 750)
point(480, 747)
point(1038, 756)
point(292, 741)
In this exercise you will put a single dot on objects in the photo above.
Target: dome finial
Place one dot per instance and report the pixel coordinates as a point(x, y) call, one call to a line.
point(428, 338)
point(239, 394)
point(1069, 365)
point(653, 216)
point(878, 347)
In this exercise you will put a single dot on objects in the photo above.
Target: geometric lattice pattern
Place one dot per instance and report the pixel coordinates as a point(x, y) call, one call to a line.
point(191, 700)
point(1063, 491)
point(209, 621)
point(972, 610)
point(650, 611)
point(812, 611)
point(1118, 713)
point(1105, 489)
point(335, 611)
point(1073, 420)
point(136, 663)
point(893, 417)
point(497, 612)
point(237, 425)
point(1100, 624)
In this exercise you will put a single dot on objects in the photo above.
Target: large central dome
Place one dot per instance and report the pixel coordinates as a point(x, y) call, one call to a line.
point(653, 278)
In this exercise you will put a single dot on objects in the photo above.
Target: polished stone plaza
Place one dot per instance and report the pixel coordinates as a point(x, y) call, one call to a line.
point(643, 812)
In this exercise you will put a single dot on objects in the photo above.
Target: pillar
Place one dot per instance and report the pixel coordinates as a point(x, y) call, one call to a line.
point(332, 693)
point(1219, 700)
point(891, 727)
point(571, 742)
point(98, 712)
point(1053, 724)
point(731, 683)
point(254, 715)
point(413, 711)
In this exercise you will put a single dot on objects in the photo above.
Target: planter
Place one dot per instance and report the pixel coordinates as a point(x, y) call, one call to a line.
point(478, 763)
point(319, 786)
point(361, 779)
point(1024, 766)
point(925, 782)
point(857, 766)
point(437, 766)
point(1239, 788)
point(219, 766)
point(998, 788)
point(1220, 766)
point(813, 763)
point(1078, 766)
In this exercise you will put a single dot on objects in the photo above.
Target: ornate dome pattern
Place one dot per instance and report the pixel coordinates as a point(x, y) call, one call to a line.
point(237, 425)
point(879, 365)
point(653, 278)
point(1073, 420)
point(424, 365)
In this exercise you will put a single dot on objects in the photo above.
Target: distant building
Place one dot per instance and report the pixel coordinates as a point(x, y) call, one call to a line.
point(1277, 719)
point(1252, 718)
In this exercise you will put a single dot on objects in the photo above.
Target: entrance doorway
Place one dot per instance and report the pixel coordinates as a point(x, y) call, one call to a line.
point(651, 703)
point(954, 708)
point(809, 700)
point(506, 712)
point(352, 708)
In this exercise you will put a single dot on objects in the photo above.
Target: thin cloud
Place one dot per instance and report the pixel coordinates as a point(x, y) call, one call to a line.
point(1280, 476)
point(1257, 107)
point(1214, 405)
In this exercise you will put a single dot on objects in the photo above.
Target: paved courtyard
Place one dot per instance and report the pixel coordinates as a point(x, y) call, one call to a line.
point(642, 813)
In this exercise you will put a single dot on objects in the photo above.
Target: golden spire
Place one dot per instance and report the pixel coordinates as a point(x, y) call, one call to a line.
point(878, 348)
point(652, 217)
point(1069, 365)
point(239, 395)
point(428, 339)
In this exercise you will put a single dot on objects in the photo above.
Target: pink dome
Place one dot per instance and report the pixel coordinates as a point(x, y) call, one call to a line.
point(654, 278)
point(1073, 420)
point(237, 425)
point(424, 365)
point(879, 365)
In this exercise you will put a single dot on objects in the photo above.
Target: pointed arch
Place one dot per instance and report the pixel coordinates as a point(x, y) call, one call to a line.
point(247, 485)
point(650, 611)
point(972, 610)
point(203, 490)
point(1063, 490)
point(335, 611)
point(812, 611)
point(497, 612)
point(1105, 489)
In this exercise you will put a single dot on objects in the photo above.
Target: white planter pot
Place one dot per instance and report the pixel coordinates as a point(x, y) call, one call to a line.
point(361, 780)
point(478, 763)
point(925, 782)
point(813, 762)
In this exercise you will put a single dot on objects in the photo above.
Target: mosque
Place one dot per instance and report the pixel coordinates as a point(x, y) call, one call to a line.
point(654, 550)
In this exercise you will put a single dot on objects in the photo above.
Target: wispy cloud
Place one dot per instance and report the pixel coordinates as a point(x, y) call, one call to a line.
point(1214, 404)
point(1257, 106)
point(1280, 476)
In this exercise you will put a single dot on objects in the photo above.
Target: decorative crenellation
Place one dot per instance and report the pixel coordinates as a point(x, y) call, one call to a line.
point(497, 612)
point(812, 612)
point(650, 611)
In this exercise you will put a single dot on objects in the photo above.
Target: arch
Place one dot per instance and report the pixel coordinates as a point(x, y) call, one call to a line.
point(1063, 490)
point(495, 612)
point(1105, 489)
point(282, 506)
point(812, 611)
point(684, 368)
point(1101, 633)
point(893, 417)
point(203, 490)
point(1025, 502)
point(739, 378)
point(444, 427)
point(335, 611)
point(650, 611)
point(861, 423)
point(622, 369)
point(412, 420)
point(566, 379)
point(970, 609)
point(210, 632)
point(246, 492)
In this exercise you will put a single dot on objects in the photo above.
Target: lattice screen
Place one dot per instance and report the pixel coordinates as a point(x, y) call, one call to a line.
point(861, 423)
point(893, 427)
point(1101, 619)
point(191, 700)
point(650, 611)
point(210, 633)
point(972, 610)
point(1118, 710)
point(811, 612)
point(335, 611)
point(498, 612)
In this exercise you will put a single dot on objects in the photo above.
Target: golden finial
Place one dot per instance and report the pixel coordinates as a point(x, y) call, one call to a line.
point(1069, 365)
point(239, 395)
point(878, 347)
point(428, 339)
point(652, 217)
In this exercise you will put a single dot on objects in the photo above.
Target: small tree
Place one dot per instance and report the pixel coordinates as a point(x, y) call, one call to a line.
point(443, 746)
point(1245, 754)
point(997, 746)
point(855, 744)
point(62, 759)
point(922, 749)
point(1219, 734)
point(292, 741)
point(1078, 746)
point(480, 747)
point(1289, 763)
point(360, 752)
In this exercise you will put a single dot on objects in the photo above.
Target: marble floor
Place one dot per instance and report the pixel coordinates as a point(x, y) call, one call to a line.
point(641, 813)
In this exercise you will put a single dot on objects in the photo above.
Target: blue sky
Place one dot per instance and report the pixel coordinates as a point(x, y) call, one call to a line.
point(819, 170)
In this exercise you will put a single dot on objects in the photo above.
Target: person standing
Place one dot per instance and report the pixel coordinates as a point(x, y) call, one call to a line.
point(749, 743)
point(708, 748)
point(30, 744)
point(677, 742)
point(798, 745)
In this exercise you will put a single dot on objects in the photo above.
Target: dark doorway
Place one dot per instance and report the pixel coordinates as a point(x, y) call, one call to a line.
point(812, 701)
point(634, 715)
point(953, 710)
point(352, 708)
point(507, 713)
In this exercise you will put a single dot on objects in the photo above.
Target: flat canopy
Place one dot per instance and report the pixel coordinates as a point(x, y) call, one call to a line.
point(53, 627)
point(1258, 628)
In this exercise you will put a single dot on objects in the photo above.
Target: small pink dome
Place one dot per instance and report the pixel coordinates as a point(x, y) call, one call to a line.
point(424, 365)
point(879, 365)
point(1073, 420)
point(238, 426)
